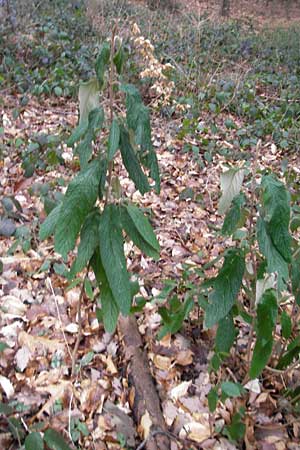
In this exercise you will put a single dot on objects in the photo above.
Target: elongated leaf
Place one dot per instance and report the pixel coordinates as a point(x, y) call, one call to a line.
point(103, 172)
point(102, 63)
point(234, 216)
point(286, 325)
point(55, 441)
point(48, 226)
point(131, 163)
point(134, 234)
point(88, 99)
point(143, 226)
point(212, 398)
point(77, 134)
point(225, 287)
point(226, 334)
point(112, 257)
point(89, 241)
point(114, 139)
point(109, 307)
point(275, 262)
point(34, 441)
point(295, 275)
point(80, 197)
point(230, 389)
point(276, 209)
point(231, 183)
point(84, 149)
point(267, 311)
point(119, 59)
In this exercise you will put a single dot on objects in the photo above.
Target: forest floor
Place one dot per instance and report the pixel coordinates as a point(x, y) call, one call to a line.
point(194, 145)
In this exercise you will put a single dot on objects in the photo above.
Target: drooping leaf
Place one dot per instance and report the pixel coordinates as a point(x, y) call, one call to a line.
point(89, 241)
point(34, 441)
point(103, 172)
point(55, 441)
point(77, 134)
point(231, 183)
point(49, 224)
point(114, 139)
point(293, 351)
point(295, 276)
point(134, 234)
point(275, 262)
point(102, 63)
point(234, 216)
point(109, 307)
point(226, 334)
point(119, 59)
point(113, 258)
point(225, 287)
point(267, 310)
point(131, 163)
point(173, 320)
point(88, 99)
point(286, 325)
point(80, 197)
point(143, 226)
point(276, 214)
point(84, 149)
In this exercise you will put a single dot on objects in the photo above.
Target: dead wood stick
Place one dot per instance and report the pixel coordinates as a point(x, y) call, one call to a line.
point(146, 398)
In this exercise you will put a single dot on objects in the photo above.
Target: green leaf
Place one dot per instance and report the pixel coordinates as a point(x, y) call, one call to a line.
point(230, 389)
point(55, 441)
point(102, 63)
point(3, 346)
point(295, 276)
point(119, 59)
point(234, 216)
point(143, 226)
point(34, 441)
point(276, 214)
point(77, 134)
point(236, 430)
point(286, 325)
point(275, 262)
point(114, 139)
point(85, 149)
point(173, 321)
point(212, 398)
point(113, 258)
point(89, 240)
point(226, 334)
point(267, 310)
point(88, 99)
point(231, 183)
point(49, 224)
point(6, 409)
point(109, 308)
point(131, 163)
point(80, 197)
point(225, 287)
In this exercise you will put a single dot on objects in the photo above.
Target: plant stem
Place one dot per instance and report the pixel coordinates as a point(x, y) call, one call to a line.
point(79, 319)
point(252, 249)
point(111, 104)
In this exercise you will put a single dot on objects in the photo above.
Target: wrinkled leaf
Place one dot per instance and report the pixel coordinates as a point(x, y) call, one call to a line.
point(226, 334)
point(234, 216)
point(143, 226)
point(114, 139)
point(231, 183)
point(102, 63)
point(88, 99)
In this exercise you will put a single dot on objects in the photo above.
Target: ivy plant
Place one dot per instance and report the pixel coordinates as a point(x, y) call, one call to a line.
point(93, 207)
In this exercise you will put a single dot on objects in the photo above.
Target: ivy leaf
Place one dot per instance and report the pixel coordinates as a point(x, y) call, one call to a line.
point(131, 163)
point(102, 63)
point(143, 226)
point(267, 310)
point(234, 216)
point(114, 139)
point(55, 441)
point(79, 199)
point(276, 212)
point(113, 258)
point(109, 307)
point(134, 234)
point(48, 226)
point(88, 99)
point(225, 287)
point(231, 183)
point(34, 441)
point(89, 240)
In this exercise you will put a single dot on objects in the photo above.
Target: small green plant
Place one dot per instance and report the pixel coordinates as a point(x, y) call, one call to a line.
point(93, 206)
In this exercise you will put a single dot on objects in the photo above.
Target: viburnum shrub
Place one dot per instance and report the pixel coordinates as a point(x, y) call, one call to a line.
point(93, 206)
